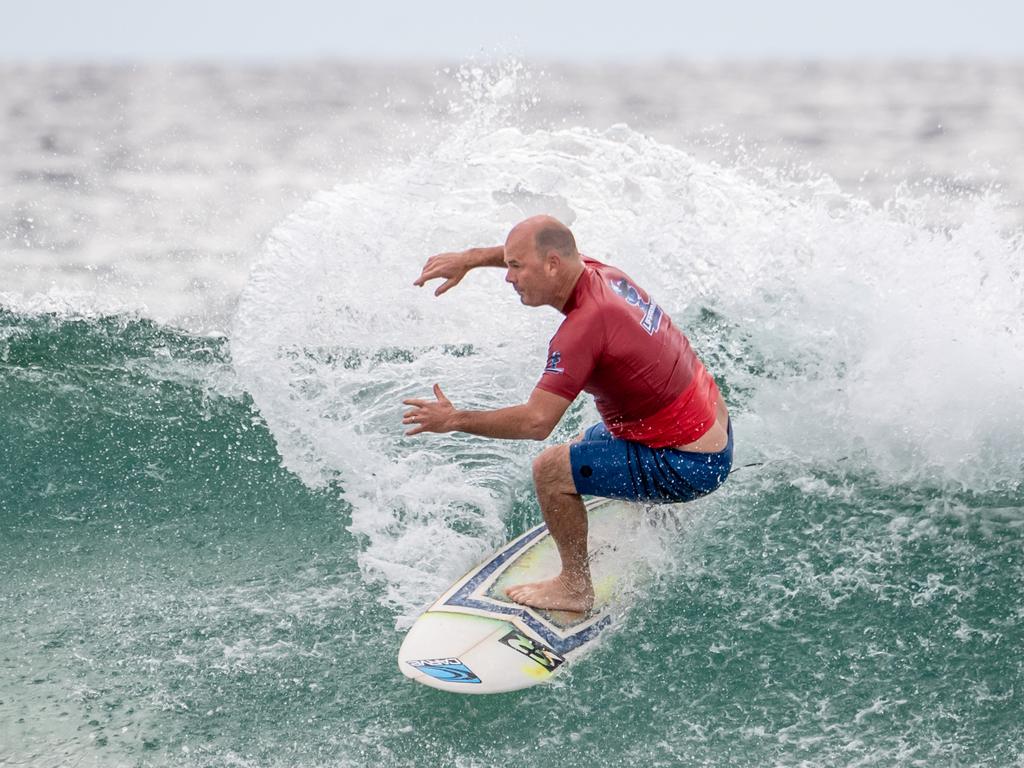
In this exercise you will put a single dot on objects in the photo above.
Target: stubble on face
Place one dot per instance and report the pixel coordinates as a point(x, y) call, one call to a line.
point(520, 255)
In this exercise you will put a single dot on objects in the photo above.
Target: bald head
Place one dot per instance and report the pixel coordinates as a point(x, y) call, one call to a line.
point(554, 235)
point(544, 234)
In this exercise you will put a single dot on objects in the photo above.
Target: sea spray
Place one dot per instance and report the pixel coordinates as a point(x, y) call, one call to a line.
point(840, 330)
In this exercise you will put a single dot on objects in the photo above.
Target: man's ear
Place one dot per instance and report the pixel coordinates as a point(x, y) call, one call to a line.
point(552, 260)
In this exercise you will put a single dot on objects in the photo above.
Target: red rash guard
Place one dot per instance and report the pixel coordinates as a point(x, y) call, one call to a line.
point(619, 346)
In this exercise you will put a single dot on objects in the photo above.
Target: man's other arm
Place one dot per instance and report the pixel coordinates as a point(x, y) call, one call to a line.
point(533, 420)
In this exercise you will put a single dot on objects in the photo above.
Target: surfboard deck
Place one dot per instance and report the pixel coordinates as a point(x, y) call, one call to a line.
point(474, 639)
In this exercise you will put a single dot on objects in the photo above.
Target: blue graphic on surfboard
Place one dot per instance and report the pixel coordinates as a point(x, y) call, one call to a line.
point(474, 639)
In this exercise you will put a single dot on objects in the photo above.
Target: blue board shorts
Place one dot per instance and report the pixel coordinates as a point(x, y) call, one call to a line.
point(604, 465)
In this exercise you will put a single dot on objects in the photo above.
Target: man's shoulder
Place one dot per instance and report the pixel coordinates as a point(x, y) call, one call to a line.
point(603, 269)
point(607, 285)
point(596, 264)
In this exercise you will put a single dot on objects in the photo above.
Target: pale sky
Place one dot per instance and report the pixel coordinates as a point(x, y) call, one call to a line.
point(449, 29)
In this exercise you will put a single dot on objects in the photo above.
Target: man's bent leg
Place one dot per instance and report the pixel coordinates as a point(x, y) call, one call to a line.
point(566, 516)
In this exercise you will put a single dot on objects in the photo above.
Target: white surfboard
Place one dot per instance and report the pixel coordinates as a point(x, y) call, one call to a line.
point(474, 639)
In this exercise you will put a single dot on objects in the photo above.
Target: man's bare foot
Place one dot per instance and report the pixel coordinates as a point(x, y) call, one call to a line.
point(557, 594)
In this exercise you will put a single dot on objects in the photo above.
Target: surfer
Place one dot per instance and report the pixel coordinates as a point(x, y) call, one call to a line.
point(664, 435)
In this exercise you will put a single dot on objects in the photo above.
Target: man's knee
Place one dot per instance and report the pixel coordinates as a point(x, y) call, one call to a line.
point(552, 469)
point(545, 464)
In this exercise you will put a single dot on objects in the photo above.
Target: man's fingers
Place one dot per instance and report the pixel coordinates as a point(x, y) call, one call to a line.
point(416, 402)
point(448, 266)
point(426, 274)
point(430, 270)
point(421, 412)
point(451, 282)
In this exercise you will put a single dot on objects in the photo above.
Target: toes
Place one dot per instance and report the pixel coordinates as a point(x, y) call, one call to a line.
point(523, 594)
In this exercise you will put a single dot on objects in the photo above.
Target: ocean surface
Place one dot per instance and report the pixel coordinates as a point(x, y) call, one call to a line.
point(213, 533)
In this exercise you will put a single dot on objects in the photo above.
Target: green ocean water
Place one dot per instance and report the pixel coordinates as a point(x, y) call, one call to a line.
point(173, 595)
point(211, 543)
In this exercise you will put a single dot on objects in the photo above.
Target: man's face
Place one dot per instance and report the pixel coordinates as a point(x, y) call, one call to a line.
point(527, 274)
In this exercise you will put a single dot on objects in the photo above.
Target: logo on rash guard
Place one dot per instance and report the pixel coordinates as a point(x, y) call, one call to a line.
point(553, 361)
point(652, 312)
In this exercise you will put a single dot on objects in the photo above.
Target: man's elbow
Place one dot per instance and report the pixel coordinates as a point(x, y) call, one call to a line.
point(540, 428)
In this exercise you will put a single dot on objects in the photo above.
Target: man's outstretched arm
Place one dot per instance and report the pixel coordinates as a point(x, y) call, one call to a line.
point(453, 266)
point(533, 420)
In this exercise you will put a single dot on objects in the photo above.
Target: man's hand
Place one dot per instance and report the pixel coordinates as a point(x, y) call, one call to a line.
point(429, 415)
point(453, 266)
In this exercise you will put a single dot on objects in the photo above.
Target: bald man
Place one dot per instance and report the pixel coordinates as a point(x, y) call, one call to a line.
point(664, 434)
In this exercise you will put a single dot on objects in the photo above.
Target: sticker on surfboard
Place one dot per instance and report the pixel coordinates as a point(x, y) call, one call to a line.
point(449, 670)
point(532, 649)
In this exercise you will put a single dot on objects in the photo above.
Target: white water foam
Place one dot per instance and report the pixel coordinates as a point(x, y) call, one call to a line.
point(846, 330)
